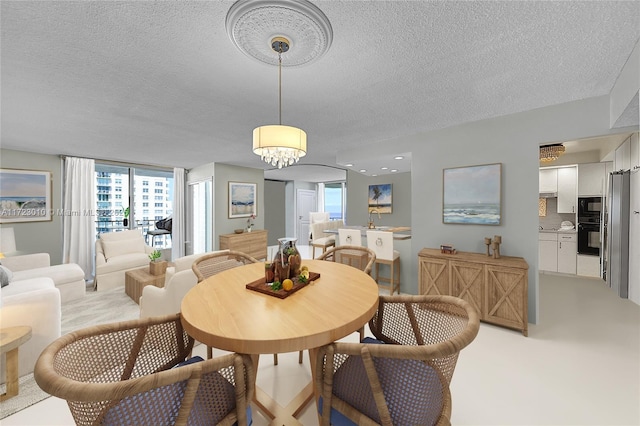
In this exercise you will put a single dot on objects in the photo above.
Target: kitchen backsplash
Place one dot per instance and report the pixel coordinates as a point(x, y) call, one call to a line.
point(553, 218)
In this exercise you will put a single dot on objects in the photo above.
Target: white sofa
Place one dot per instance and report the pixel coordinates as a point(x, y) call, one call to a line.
point(34, 302)
point(179, 279)
point(116, 253)
point(68, 277)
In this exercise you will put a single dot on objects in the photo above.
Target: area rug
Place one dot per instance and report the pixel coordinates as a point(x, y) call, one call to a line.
point(93, 309)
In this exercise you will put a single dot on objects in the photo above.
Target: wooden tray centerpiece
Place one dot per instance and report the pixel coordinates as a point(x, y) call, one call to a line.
point(261, 286)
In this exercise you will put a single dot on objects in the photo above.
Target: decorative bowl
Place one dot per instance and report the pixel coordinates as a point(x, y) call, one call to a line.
point(238, 231)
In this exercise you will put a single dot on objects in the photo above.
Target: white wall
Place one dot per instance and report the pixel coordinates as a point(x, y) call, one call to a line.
point(512, 140)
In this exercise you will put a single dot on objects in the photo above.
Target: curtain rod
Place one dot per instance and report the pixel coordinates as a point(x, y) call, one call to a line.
point(122, 163)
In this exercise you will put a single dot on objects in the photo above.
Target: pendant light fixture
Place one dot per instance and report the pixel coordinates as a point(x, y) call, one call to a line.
point(550, 153)
point(279, 145)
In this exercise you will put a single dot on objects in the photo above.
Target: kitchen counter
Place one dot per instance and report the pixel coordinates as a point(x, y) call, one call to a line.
point(557, 231)
point(399, 232)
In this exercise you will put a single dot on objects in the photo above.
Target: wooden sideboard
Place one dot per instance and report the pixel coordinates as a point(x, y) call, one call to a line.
point(497, 288)
point(253, 243)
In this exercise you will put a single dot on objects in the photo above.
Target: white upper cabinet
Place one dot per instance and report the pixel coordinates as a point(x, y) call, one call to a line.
point(634, 150)
point(591, 178)
point(567, 192)
point(548, 180)
point(623, 156)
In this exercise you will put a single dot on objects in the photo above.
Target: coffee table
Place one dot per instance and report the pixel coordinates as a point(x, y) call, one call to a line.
point(136, 279)
point(221, 312)
point(10, 340)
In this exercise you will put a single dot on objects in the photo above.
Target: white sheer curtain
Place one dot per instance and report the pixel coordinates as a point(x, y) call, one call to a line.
point(178, 215)
point(79, 204)
point(320, 197)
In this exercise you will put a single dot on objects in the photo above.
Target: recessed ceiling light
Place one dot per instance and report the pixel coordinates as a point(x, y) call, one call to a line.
point(362, 170)
point(374, 175)
point(384, 168)
point(399, 157)
point(349, 165)
point(393, 170)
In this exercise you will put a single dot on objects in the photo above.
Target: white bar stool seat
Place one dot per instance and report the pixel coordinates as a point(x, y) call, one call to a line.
point(381, 242)
point(352, 237)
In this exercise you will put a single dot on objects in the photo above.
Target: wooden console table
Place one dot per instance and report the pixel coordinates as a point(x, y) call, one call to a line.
point(253, 243)
point(497, 288)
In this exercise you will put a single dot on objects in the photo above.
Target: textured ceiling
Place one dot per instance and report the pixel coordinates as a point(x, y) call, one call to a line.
point(162, 83)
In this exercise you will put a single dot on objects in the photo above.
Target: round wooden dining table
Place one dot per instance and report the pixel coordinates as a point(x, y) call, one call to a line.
point(222, 313)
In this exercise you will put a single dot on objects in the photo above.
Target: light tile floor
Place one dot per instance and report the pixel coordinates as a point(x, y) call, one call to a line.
point(580, 365)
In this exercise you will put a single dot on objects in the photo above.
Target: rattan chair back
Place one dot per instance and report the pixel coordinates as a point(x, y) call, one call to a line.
point(213, 263)
point(420, 338)
point(360, 257)
point(122, 373)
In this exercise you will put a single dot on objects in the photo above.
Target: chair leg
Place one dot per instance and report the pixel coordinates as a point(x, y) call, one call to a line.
point(361, 331)
point(209, 352)
point(300, 357)
point(275, 359)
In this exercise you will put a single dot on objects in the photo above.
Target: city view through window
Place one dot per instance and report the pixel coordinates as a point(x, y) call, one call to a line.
point(133, 198)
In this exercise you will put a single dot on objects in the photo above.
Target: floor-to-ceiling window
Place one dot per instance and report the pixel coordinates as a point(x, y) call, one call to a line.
point(133, 198)
point(334, 196)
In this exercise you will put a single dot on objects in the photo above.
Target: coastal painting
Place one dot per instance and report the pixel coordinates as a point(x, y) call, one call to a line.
point(380, 200)
point(242, 199)
point(25, 196)
point(471, 195)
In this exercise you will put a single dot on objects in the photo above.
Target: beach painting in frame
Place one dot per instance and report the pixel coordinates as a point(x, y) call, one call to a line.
point(242, 199)
point(471, 195)
point(25, 196)
point(380, 198)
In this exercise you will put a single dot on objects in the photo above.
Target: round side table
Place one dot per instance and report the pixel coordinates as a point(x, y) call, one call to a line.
point(10, 340)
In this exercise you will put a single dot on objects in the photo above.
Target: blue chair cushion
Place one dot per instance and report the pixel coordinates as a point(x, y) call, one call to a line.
point(136, 409)
point(407, 384)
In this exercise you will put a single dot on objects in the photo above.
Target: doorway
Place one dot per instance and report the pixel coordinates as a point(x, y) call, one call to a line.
point(306, 202)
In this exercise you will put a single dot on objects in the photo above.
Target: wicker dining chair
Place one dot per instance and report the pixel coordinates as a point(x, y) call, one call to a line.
point(403, 377)
point(214, 263)
point(123, 374)
point(359, 257)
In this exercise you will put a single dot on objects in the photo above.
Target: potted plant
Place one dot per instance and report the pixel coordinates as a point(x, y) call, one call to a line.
point(125, 221)
point(157, 266)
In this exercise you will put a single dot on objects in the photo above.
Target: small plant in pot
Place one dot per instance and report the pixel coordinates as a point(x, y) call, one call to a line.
point(157, 266)
point(125, 221)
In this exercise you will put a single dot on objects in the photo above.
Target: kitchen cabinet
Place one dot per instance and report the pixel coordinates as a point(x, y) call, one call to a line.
point(557, 252)
point(623, 156)
point(567, 189)
point(548, 180)
point(634, 150)
point(567, 251)
point(497, 288)
point(548, 251)
point(587, 266)
point(591, 178)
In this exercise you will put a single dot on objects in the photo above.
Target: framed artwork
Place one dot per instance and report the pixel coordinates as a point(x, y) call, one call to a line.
point(380, 198)
point(471, 195)
point(242, 199)
point(25, 196)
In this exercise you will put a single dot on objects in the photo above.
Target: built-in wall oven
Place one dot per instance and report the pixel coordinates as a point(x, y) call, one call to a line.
point(589, 238)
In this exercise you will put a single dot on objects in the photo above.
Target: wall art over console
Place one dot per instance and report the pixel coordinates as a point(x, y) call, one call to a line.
point(380, 198)
point(242, 199)
point(25, 196)
point(471, 195)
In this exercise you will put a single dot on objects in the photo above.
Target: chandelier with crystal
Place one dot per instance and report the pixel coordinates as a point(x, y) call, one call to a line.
point(279, 145)
point(551, 152)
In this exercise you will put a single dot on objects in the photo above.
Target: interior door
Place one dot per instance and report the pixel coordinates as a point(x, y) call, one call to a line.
point(306, 202)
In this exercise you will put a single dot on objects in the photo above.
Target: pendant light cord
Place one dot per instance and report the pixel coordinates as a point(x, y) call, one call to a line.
point(280, 84)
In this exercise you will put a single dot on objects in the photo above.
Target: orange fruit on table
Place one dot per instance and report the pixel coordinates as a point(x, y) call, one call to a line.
point(287, 284)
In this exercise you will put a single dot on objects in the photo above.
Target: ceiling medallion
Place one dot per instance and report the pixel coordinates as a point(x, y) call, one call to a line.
point(252, 24)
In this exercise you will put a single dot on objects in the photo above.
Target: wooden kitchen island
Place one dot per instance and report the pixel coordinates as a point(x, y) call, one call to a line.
point(497, 288)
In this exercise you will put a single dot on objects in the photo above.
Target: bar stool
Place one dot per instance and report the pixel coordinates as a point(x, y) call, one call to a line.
point(351, 237)
point(381, 242)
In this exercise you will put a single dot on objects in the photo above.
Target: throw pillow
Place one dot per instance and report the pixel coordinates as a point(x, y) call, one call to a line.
point(5, 276)
point(120, 247)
